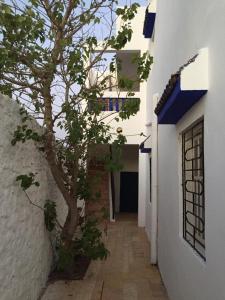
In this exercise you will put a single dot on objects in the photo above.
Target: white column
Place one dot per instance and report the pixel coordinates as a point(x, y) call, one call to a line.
point(154, 182)
point(142, 188)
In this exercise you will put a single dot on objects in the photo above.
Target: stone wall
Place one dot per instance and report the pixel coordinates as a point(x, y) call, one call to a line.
point(25, 249)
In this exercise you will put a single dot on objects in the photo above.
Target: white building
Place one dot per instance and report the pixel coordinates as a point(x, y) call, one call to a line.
point(128, 184)
point(185, 219)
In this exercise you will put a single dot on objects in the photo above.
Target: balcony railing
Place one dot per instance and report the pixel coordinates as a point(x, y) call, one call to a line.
point(114, 104)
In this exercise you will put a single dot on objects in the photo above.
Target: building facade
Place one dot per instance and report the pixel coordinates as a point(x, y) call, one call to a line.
point(185, 204)
point(126, 187)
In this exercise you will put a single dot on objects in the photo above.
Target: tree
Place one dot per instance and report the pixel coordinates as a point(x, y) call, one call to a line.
point(45, 50)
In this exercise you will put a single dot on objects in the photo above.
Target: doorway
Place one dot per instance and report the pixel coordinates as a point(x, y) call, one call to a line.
point(129, 192)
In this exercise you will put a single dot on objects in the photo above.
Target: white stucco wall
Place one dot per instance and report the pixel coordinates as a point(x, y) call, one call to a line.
point(181, 29)
point(138, 42)
point(25, 250)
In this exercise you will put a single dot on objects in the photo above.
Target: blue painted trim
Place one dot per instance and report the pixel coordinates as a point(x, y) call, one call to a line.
point(111, 104)
point(117, 105)
point(114, 104)
point(149, 24)
point(143, 149)
point(104, 105)
point(179, 102)
point(146, 150)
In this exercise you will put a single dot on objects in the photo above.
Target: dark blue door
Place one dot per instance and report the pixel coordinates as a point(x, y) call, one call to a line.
point(129, 191)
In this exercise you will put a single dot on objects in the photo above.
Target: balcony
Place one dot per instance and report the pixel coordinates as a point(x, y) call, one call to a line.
point(114, 104)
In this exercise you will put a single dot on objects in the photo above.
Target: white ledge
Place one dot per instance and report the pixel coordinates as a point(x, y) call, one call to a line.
point(152, 6)
point(195, 75)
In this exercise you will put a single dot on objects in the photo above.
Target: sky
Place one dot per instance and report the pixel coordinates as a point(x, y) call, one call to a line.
point(128, 2)
point(100, 31)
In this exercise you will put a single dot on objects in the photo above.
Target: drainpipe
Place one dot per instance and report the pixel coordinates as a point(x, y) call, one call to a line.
point(154, 183)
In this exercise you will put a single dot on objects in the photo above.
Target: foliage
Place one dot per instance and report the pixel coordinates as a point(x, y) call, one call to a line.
point(88, 244)
point(132, 105)
point(26, 181)
point(112, 160)
point(105, 213)
point(65, 258)
point(50, 215)
point(46, 64)
point(24, 133)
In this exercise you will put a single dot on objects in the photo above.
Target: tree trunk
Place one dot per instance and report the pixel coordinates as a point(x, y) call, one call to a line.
point(70, 224)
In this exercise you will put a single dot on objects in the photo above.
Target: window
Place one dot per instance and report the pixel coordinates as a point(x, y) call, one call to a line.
point(125, 78)
point(193, 187)
point(101, 70)
point(128, 68)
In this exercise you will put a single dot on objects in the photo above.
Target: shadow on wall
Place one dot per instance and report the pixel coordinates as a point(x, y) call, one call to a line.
point(25, 248)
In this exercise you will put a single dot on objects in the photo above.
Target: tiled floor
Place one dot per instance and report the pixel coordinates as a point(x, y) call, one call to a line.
point(125, 275)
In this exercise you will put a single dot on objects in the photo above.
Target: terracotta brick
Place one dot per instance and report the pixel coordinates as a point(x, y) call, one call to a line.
point(99, 180)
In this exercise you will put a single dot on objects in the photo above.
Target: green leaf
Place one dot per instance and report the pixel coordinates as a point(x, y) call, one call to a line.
point(50, 215)
point(26, 181)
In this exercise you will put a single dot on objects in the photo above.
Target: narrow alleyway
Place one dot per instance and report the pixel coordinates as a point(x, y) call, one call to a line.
point(125, 275)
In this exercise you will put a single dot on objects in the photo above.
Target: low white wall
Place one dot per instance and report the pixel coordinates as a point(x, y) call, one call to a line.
point(25, 250)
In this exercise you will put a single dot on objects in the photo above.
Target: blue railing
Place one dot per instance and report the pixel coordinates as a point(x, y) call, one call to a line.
point(113, 104)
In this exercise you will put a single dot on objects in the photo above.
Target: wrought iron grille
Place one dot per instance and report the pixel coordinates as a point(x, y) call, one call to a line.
point(193, 187)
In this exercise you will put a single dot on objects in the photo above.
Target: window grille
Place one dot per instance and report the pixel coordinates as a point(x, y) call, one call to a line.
point(193, 187)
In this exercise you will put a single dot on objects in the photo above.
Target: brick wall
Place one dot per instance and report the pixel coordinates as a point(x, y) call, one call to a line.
point(99, 179)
